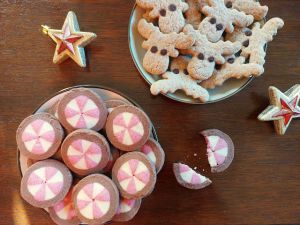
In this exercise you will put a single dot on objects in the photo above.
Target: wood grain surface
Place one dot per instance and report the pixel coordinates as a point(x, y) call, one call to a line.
point(262, 186)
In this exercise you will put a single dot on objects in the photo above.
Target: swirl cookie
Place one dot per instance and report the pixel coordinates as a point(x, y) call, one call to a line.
point(153, 150)
point(127, 209)
point(128, 128)
point(220, 18)
point(96, 199)
point(85, 152)
point(39, 136)
point(81, 108)
point(160, 47)
point(220, 149)
point(169, 13)
point(46, 183)
point(134, 175)
point(63, 212)
point(188, 178)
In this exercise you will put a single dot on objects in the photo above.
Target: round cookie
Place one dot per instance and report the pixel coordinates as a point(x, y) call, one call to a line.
point(113, 103)
point(63, 212)
point(128, 128)
point(115, 154)
point(45, 183)
point(85, 152)
point(81, 108)
point(134, 175)
point(188, 178)
point(127, 209)
point(220, 149)
point(153, 150)
point(39, 136)
point(96, 199)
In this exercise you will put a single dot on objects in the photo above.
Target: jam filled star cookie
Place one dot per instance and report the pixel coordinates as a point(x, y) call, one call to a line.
point(39, 136)
point(284, 107)
point(81, 108)
point(46, 183)
point(128, 128)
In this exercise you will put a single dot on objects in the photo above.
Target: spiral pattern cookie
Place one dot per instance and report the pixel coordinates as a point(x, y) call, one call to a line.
point(85, 152)
point(39, 136)
point(96, 199)
point(127, 209)
point(81, 108)
point(128, 128)
point(134, 175)
point(45, 183)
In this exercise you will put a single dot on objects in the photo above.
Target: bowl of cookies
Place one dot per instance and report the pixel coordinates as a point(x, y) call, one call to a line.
point(200, 51)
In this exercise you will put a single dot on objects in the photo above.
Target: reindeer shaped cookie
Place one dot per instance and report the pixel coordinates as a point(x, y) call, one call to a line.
point(206, 54)
point(250, 7)
point(233, 68)
point(179, 79)
point(259, 38)
point(220, 18)
point(169, 13)
point(160, 47)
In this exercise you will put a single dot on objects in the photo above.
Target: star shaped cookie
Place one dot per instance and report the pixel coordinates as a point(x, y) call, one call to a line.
point(284, 107)
point(70, 41)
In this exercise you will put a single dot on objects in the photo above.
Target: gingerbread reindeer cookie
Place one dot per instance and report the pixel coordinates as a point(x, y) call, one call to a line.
point(193, 15)
point(206, 54)
point(233, 68)
point(241, 35)
point(169, 13)
point(220, 18)
point(259, 38)
point(179, 79)
point(160, 47)
point(250, 7)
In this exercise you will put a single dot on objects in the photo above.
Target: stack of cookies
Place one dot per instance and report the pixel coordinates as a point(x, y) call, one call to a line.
point(88, 160)
point(196, 45)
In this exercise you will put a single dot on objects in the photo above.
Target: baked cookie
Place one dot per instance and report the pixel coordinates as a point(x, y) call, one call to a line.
point(160, 47)
point(113, 103)
point(114, 155)
point(205, 54)
point(233, 68)
point(193, 14)
point(189, 178)
point(128, 208)
point(219, 18)
point(169, 13)
point(283, 108)
point(178, 79)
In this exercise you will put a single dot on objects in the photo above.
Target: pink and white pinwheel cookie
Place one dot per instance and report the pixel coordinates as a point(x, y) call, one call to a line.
point(127, 209)
point(81, 108)
point(85, 152)
point(96, 199)
point(134, 175)
point(153, 150)
point(46, 183)
point(39, 136)
point(128, 128)
point(113, 103)
point(220, 149)
point(63, 212)
point(189, 178)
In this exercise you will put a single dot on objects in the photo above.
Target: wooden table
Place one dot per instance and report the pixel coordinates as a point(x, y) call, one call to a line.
point(262, 186)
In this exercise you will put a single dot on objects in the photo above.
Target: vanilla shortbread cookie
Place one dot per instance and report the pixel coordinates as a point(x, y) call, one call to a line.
point(206, 54)
point(169, 13)
point(259, 38)
point(179, 79)
point(193, 14)
point(250, 7)
point(160, 47)
point(220, 18)
point(233, 68)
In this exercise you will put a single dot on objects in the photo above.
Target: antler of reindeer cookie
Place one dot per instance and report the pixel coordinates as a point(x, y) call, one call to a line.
point(233, 68)
point(161, 46)
point(250, 7)
point(260, 36)
point(220, 18)
point(169, 13)
point(206, 54)
point(179, 79)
